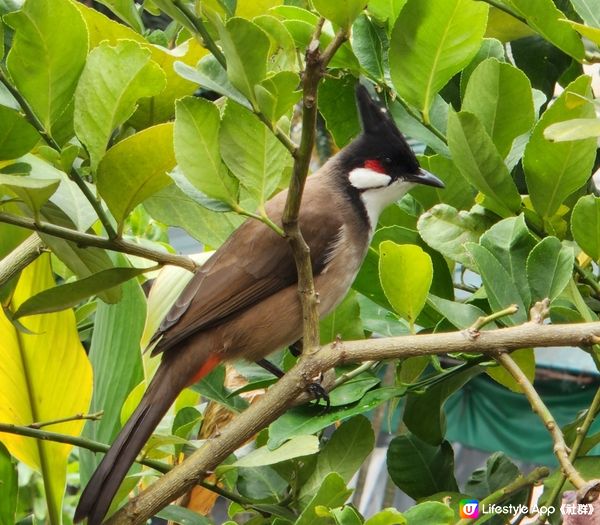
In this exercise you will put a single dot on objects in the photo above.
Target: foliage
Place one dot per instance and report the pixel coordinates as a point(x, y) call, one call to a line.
point(110, 129)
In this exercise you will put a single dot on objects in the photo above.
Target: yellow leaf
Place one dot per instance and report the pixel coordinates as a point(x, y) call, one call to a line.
point(44, 376)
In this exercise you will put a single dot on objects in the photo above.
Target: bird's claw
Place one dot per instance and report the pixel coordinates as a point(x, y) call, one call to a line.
point(319, 393)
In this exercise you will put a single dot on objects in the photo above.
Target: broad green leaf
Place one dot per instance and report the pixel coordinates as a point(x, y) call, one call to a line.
point(117, 361)
point(246, 47)
point(113, 80)
point(136, 168)
point(173, 207)
point(554, 170)
point(252, 152)
point(525, 359)
point(461, 315)
point(447, 230)
point(575, 129)
point(500, 289)
point(406, 273)
point(44, 375)
point(389, 516)
point(17, 136)
point(45, 62)
point(498, 472)
point(420, 469)
point(490, 48)
point(591, 33)
point(296, 447)
point(32, 191)
point(545, 18)
point(344, 453)
point(585, 225)
point(343, 322)
point(68, 295)
point(264, 484)
point(213, 387)
point(368, 46)
point(338, 107)
point(430, 512)
point(277, 94)
point(341, 12)
point(127, 11)
point(346, 515)
point(500, 96)
point(256, 7)
point(182, 516)
point(511, 243)
point(386, 10)
point(549, 268)
point(331, 494)
point(477, 158)
point(588, 10)
point(282, 54)
point(433, 40)
point(196, 137)
point(353, 390)
point(10, 487)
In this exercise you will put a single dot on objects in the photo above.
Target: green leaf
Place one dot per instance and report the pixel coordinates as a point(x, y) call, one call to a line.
point(344, 454)
point(126, 10)
point(213, 387)
point(545, 18)
point(386, 10)
point(420, 469)
point(113, 80)
point(353, 390)
point(591, 33)
point(588, 10)
point(32, 191)
point(405, 273)
point(136, 168)
point(296, 447)
point(183, 516)
point(17, 136)
point(448, 230)
point(341, 12)
point(252, 152)
point(70, 294)
point(433, 40)
point(499, 471)
point(331, 494)
point(264, 484)
point(575, 129)
point(277, 95)
point(554, 170)
point(478, 160)
point(337, 105)
point(117, 363)
point(461, 315)
point(246, 47)
point(343, 322)
point(368, 46)
point(585, 225)
point(10, 487)
point(389, 516)
point(499, 94)
point(47, 55)
point(511, 243)
point(549, 268)
point(283, 49)
point(196, 137)
point(500, 289)
point(490, 48)
point(431, 513)
point(525, 359)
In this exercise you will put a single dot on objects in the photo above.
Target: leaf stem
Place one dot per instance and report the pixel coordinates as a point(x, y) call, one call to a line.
point(474, 329)
point(96, 416)
point(86, 239)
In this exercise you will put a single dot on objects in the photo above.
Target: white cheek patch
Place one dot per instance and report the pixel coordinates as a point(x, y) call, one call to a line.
point(365, 179)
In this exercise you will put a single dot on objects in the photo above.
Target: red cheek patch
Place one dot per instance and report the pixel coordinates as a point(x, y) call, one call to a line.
point(374, 165)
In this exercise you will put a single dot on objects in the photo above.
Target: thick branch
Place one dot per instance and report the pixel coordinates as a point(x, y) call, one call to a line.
point(86, 239)
point(281, 395)
point(23, 255)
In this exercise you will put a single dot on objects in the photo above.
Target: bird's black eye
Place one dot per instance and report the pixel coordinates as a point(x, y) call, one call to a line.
point(387, 161)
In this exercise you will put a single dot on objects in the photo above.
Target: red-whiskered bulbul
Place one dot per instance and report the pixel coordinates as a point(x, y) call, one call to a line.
point(243, 302)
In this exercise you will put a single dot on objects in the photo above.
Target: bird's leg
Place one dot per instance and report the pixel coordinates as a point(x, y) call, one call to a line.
point(315, 389)
point(296, 348)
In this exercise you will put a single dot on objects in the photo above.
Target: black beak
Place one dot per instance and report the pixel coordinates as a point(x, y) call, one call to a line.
point(429, 179)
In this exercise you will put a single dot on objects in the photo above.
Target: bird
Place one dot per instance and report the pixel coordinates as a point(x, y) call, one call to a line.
point(243, 302)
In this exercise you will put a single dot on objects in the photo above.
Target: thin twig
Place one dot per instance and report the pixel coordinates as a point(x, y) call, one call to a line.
point(96, 416)
point(23, 255)
point(561, 451)
point(474, 329)
point(86, 239)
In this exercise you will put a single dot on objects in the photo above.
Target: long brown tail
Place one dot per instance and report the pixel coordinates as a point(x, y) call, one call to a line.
point(104, 483)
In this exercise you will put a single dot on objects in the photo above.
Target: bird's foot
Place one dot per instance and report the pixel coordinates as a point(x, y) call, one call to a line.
point(317, 391)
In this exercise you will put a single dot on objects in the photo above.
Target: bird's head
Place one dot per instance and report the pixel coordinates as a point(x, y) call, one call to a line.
point(379, 165)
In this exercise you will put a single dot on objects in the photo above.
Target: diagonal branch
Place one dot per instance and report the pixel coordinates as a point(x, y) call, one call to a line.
point(281, 395)
point(24, 254)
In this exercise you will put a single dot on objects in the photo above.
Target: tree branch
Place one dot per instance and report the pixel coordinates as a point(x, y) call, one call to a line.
point(23, 255)
point(86, 239)
point(278, 398)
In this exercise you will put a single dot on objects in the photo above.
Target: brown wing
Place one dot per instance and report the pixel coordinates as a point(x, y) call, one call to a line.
point(252, 264)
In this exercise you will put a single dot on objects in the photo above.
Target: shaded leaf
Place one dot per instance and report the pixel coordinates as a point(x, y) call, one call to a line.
point(332, 493)
point(549, 269)
point(17, 136)
point(585, 225)
point(10, 487)
point(32, 191)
